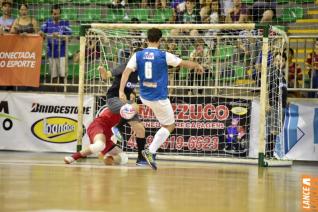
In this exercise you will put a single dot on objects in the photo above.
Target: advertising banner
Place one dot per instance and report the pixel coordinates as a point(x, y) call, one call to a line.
point(203, 125)
point(301, 131)
point(20, 60)
point(41, 122)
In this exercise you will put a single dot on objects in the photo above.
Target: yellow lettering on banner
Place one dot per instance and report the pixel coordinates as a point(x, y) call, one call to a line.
point(21, 64)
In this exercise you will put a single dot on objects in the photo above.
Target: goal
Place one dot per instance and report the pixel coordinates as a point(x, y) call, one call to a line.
point(233, 113)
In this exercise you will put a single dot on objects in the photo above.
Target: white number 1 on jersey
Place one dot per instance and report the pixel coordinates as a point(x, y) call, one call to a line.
point(148, 70)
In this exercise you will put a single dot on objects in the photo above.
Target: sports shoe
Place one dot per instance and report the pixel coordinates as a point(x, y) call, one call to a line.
point(117, 134)
point(149, 158)
point(69, 159)
point(141, 162)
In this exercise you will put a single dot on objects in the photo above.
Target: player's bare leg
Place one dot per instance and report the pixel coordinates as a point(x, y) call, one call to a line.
point(96, 147)
point(160, 137)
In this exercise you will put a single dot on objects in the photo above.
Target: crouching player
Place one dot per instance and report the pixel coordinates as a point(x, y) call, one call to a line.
point(114, 104)
point(100, 136)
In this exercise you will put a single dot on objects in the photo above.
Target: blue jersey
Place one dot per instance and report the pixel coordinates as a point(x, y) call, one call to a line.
point(152, 70)
point(56, 47)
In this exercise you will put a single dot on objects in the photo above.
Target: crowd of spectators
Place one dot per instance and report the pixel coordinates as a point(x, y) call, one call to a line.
point(56, 31)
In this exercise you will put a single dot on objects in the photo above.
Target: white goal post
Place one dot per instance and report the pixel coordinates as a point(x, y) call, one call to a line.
point(215, 113)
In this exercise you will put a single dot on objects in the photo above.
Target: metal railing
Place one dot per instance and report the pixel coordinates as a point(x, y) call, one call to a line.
point(300, 75)
point(223, 71)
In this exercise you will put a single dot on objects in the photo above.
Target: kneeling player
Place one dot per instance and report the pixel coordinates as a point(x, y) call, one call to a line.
point(100, 133)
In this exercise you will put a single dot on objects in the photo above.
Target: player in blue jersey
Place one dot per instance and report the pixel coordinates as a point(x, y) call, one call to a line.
point(152, 67)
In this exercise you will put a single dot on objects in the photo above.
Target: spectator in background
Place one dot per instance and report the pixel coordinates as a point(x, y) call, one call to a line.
point(56, 29)
point(237, 14)
point(226, 6)
point(205, 6)
point(24, 24)
point(189, 16)
point(211, 15)
point(172, 47)
point(178, 7)
point(6, 21)
point(247, 48)
point(312, 65)
point(156, 3)
point(263, 11)
point(294, 71)
point(117, 4)
point(135, 42)
point(211, 12)
point(200, 55)
point(175, 5)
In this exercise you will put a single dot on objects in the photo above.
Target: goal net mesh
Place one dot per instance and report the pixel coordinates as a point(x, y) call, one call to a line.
point(218, 114)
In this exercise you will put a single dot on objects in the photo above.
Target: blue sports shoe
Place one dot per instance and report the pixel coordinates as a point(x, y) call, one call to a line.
point(117, 134)
point(149, 158)
point(141, 162)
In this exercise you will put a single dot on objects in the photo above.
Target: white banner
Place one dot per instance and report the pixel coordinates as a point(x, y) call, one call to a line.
point(301, 131)
point(41, 122)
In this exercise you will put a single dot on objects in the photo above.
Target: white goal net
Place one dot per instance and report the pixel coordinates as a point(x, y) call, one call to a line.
point(233, 112)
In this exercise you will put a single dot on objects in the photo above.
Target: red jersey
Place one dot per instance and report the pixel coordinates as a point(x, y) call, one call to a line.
point(102, 125)
point(108, 118)
point(292, 70)
point(313, 60)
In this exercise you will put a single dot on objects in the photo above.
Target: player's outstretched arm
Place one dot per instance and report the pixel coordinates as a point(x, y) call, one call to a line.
point(192, 65)
point(123, 82)
point(105, 74)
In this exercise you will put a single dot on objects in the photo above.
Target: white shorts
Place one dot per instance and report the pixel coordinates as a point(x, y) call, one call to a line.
point(162, 110)
point(57, 67)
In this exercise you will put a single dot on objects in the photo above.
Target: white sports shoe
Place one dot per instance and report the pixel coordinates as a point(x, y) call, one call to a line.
point(69, 159)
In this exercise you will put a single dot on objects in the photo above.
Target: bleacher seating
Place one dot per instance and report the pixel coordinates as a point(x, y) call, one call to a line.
point(86, 11)
point(291, 14)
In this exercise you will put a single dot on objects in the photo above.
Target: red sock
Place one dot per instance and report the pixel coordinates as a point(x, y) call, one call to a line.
point(77, 156)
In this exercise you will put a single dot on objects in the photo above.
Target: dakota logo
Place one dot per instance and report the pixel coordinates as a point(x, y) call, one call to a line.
point(239, 110)
point(55, 129)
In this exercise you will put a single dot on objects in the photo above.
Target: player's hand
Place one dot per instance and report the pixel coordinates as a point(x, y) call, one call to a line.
point(199, 69)
point(42, 34)
point(55, 35)
point(122, 96)
point(104, 73)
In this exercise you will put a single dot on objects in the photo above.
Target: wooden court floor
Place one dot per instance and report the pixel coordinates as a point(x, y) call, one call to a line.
point(42, 182)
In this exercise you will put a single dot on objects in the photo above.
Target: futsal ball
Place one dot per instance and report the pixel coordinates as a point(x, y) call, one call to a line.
point(127, 111)
point(120, 159)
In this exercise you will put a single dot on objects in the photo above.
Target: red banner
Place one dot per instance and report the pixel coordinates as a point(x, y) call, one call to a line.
point(20, 60)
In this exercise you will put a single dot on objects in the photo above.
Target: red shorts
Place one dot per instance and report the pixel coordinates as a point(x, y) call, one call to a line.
point(103, 125)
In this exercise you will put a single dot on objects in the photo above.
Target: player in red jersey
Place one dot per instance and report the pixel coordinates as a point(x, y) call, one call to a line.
point(100, 136)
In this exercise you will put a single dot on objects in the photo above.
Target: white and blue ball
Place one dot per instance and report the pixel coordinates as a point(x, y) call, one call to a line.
point(128, 111)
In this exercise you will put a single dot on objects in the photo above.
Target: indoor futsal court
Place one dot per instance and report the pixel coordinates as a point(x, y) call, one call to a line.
point(190, 105)
point(42, 182)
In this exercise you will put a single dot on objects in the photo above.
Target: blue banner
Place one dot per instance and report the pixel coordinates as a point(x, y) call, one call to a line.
point(291, 127)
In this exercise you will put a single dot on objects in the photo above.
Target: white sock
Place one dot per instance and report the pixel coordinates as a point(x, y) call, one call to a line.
point(160, 137)
point(98, 146)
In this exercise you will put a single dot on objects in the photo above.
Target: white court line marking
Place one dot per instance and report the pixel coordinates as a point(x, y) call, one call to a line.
point(33, 163)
